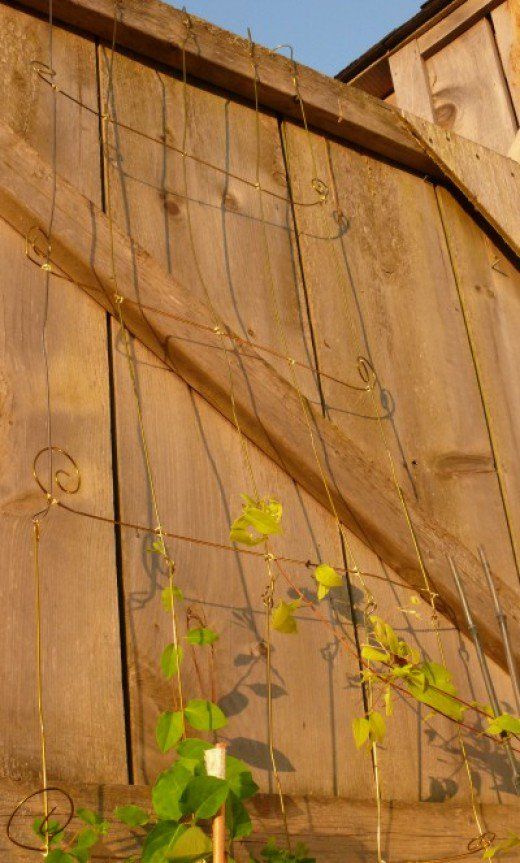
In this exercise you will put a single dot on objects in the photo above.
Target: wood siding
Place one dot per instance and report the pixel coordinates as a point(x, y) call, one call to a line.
point(389, 267)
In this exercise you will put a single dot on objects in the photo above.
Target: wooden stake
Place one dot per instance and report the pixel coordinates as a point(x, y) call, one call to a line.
point(216, 766)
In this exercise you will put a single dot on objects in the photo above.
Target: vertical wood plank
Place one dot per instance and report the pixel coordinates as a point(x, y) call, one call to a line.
point(81, 651)
point(197, 455)
point(470, 94)
point(489, 288)
point(224, 257)
point(506, 23)
point(411, 84)
point(391, 269)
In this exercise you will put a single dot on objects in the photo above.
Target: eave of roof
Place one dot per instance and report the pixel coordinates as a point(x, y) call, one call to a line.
point(427, 11)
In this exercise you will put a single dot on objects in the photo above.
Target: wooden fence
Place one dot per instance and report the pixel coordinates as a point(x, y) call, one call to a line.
point(394, 266)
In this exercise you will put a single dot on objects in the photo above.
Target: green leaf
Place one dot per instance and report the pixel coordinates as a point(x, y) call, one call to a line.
point(204, 795)
point(54, 831)
point(59, 856)
point(377, 726)
point(238, 821)
point(171, 660)
point(259, 519)
point(504, 723)
point(373, 654)
point(168, 790)
point(192, 747)
point(169, 595)
point(504, 845)
point(192, 846)
point(204, 715)
point(322, 592)
point(85, 841)
point(88, 816)
point(420, 682)
point(161, 840)
point(282, 617)
point(389, 704)
point(239, 777)
point(202, 635)
point(385, 635)
point(132, 816)
point(169, 729)
point(327, 577)
point(361, 731)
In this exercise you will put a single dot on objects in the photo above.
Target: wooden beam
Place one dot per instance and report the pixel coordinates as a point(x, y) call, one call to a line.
point(157, 31)
point(410, 79)
point(334, 828)
point(431, 36)
point(269, 408)
point(489, 180)
point(449, 27)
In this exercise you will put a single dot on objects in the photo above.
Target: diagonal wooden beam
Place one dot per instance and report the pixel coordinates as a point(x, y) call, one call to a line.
point(156, 31)
point(489, 180)
point(269, 408)
point(334, 828)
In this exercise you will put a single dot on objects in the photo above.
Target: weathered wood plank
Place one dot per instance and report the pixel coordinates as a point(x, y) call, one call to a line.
point(411, 84)
point(386, 290)
point(196, 453)
point(489, 288)
point(81, 654)
point(469, 91)
point(451, 26)
point(335, 829)
point(506, 23)
point(490, 181)
point(269, 408)
point(171, 209)
point(156, 31)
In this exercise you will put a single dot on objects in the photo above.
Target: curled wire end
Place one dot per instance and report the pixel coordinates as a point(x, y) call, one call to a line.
point(480, 843)
point(69, 484)
point(279, 48)
point(366, 372)
point(44, 71)
point(46, 834)
point(321, 188)
point(186, 20)
point(38, 247)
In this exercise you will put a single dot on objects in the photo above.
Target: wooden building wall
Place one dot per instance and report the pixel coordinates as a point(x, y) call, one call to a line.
point(396, 286)
point(463, 73)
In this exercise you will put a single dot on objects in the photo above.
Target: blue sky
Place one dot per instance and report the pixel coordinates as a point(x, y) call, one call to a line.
point(325, 34)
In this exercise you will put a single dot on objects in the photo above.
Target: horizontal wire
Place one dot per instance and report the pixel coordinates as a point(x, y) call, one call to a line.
point(387, 681)
point(278, 559)
point(308, 564)
point(164, 143)
point(63, 276)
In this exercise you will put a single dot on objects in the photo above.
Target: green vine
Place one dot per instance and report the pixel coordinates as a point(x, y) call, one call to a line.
point(185, 798)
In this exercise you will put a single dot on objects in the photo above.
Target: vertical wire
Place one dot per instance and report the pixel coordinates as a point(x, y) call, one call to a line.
point(282, 336)
point(268, 602)
point(220, 331)
point(46, 267)
point(406, 512)
point(478, 372)
point(118, 301)
point(219, 328)
point(39, 679)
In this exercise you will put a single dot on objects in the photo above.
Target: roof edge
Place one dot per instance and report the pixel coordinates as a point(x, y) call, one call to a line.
point(396, 37)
